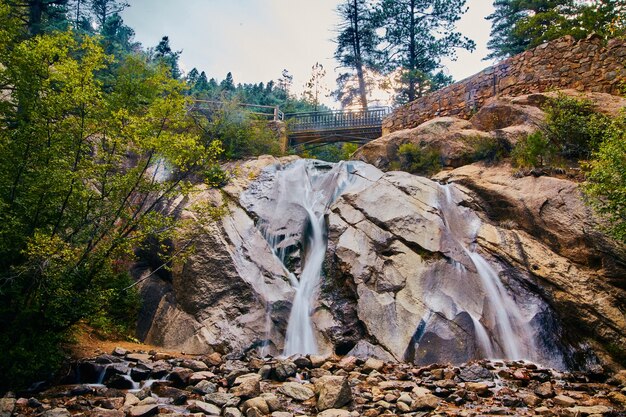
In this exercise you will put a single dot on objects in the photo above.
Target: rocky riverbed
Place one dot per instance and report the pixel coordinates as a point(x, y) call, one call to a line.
point(139, 384)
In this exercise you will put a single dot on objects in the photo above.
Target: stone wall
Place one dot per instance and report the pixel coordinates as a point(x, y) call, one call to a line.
point(585, 65)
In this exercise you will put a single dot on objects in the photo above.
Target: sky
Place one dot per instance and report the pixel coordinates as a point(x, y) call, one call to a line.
point(257, 39)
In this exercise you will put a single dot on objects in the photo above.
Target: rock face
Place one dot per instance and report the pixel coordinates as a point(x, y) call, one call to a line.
point(422, 290)
point(218, 299)
point(546, 230)
point(501, 122)
point(485, 266)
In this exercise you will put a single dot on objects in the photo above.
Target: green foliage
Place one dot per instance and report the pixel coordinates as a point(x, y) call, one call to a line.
point(418, 160)
point(574, 126)
point(534, 151)
point(216, 176)
point(485, 149)
point(606, 178)
point(419, 34)
point(116, 307)
point(332, 152)
point(80, 187)
point(347, 150)
point(239, 132)
point(518, 25)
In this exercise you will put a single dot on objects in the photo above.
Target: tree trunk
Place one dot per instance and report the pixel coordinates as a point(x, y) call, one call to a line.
point(356, 43)
point(35, 11)
point(412, 52)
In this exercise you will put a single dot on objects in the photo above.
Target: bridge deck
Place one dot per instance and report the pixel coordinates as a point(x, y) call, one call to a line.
point(335, 126)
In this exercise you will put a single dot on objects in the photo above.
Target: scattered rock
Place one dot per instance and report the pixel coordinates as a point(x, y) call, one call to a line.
point(586, 411)
point(138, 357)
point(425, 402)
point(296, 391)
point(284, 370)
point(247, 386)
point(205, 408)
point(475, 373)
point(334, 392)
point(373, 364)
point(333, 412)
point(545, 390)
point(564, 401)
point(256, 403)
point(144, 410)
point(232, 412)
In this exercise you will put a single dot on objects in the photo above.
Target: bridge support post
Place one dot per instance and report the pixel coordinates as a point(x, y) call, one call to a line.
point(280, 129)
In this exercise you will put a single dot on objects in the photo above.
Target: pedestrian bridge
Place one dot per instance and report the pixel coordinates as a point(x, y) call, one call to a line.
point(319, 128)
point(312, 129)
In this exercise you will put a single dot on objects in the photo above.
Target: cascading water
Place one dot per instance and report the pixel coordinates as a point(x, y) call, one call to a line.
point(513, 334)
point(303, 191)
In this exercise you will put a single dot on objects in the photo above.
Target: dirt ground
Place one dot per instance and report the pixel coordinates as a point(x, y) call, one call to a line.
point(88, 343)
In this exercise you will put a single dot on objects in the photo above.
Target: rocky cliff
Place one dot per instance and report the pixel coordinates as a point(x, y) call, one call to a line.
point(486, 265)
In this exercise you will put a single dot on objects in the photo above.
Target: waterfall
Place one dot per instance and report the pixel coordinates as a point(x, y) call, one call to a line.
point(303, 191)
point(512, 332)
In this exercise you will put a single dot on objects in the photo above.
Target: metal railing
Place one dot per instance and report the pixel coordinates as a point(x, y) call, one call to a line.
point(266, 112)
point(340, 119)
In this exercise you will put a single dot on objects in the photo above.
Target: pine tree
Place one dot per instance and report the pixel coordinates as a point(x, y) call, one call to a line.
point(518, 25)
point(41, 15)
point(418, 34)
point(103, 9)
point(227, 86)
point(356, 51)
point(164, 53)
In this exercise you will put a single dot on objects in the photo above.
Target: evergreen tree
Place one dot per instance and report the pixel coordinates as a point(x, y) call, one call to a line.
point(163, 53)
point(103, 9)
point(227, 86)
point(117, 37)
point(40, 16)
point(518, 25)
point(285, 82)
point(356, 51)
point(418, 34)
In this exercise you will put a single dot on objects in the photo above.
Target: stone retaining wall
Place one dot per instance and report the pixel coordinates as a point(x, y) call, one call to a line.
point(585, 65)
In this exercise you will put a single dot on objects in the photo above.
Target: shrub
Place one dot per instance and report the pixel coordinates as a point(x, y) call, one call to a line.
point(347, 150)
point(606, 178)
point(485, 149)
point(417, 160)
point(332, 152)
point(534, 151)
point(240, 132)
point(573, 126)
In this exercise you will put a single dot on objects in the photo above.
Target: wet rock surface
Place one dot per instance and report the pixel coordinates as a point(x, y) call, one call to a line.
point(329, 387)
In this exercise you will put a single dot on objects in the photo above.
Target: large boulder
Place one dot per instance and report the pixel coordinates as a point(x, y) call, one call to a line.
point(416, 285)
point(500, 123)
point(227, 290)
point(541, 225)
point(453, 138)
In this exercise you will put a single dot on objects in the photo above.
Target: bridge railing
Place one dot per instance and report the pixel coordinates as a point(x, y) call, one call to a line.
point(261, 111)
point(339, 119)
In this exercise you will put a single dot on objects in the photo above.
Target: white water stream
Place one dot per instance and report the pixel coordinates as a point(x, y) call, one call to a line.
point(514, 336)
point(304, 189)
